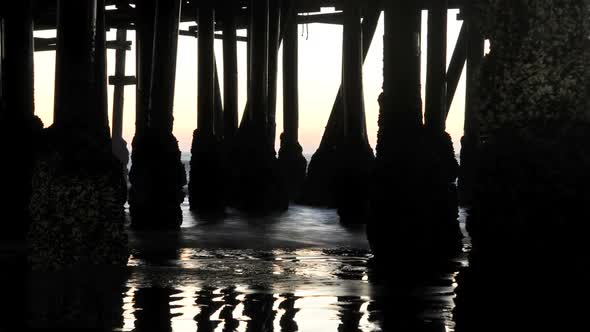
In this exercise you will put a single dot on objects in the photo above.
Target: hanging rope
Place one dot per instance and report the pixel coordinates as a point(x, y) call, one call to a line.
point(305, 28)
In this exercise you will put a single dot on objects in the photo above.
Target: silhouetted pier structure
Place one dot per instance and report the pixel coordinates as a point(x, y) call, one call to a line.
point(231, 165)
point(407, 188)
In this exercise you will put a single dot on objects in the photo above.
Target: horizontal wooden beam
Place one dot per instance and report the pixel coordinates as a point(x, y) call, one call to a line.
point(50, 44)
point(327, 18)
point(125, 80)
point(191, 33)
point(44, 44)
point(456, 66)
point(119, 45)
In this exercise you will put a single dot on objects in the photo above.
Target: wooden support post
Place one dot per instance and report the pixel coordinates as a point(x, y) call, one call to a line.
point(352, 74)
point(254, 161)
point(420, 187)
point(334, 126)
point(275, 38)
point(206, 81)
point(475, 53)
point(401, 61)
point(218, 104)
point(17, 61)
point(119, 89)
point(80, 143)
point(354, 156)
point(249, 33)
point(144, 41)
point(274, 42)
point(320, 174)
point(80, 82)
point(206, 185)
point(164, 64)
point(18, 125)
point(101, 64)
point(400, 124)
point(291, 161)
point(157, 174)
point(230, 72)
point(470, 139)
point(258, 93)
point(435, 111)
point(401, 58)
point(119, 144)
point(436, 101)
point(1, 64)
point(291, 80)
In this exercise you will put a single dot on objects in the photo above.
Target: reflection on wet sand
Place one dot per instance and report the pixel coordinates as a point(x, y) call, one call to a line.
point(152, 309)
point(208, 303)
point(288, 311)
point(169, 286)
point(201, 296)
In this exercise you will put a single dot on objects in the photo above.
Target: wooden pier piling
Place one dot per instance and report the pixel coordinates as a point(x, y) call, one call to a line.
point(144, 52)
point(206, 181)
point(79, 184)
point(119, 144)
point(18, 125)
point(436, 67)
point(318, 188)
point(274, 42)
point(413, 206)
point(157, 175)
point(254, 162)
point(355, 155)
point(230, 73)
point(470, 139)
point(292, 164)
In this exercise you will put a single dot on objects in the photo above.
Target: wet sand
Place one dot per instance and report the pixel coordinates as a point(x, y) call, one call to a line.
point(300, 270)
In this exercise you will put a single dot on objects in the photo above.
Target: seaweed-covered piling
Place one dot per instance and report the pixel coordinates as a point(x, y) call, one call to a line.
point(532, 185)
point(413, 207)
point(78, 185)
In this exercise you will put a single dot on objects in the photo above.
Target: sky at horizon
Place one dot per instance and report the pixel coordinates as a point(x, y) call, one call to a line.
point(320, 49)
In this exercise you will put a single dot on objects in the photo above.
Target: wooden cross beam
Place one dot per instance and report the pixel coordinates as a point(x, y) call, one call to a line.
point(124, 80)
point(325, 18)
point(50, 44)
point(193, 33)
point(456, 66)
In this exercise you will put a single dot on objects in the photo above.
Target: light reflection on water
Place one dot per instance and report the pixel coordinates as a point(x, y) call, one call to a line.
point(254, 290)
point(193, 309)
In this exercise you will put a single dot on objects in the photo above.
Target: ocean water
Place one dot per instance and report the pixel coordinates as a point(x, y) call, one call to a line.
point(185, 158)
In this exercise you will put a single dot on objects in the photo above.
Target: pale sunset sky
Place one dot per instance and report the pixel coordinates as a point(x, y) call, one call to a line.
point(320, 49)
